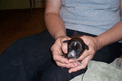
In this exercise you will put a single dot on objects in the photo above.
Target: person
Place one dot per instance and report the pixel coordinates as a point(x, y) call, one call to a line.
point(99, 24)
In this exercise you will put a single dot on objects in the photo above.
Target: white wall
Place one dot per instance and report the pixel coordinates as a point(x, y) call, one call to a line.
point(18, 4)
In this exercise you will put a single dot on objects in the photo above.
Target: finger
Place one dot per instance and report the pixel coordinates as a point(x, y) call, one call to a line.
point(76, 68)
point(64, 45)
point(60, 58)
point(57, 55)
point(84, 55)
point(63, 65)
point(72, 60)
point(83, 64)
point(69, 65)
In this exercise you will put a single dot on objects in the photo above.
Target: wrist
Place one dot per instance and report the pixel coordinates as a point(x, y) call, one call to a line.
point(98, 43)
point(59, 35)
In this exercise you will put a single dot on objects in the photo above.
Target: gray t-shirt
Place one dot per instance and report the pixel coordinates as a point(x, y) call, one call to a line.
point(91, 16)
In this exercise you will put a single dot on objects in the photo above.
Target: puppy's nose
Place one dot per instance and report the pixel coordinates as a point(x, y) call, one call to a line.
point(71, 55)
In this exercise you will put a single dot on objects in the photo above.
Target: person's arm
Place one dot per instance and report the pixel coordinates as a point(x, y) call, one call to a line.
point(112, 35)
point(95, 43)
point(57, 29)
point(53, 21)
point(121, 8)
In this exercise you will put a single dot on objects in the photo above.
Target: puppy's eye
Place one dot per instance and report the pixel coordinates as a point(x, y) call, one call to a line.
point(77, 46)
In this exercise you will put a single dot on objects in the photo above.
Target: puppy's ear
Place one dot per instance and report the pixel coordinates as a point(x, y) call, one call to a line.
point(86, 47)
point(65, 41)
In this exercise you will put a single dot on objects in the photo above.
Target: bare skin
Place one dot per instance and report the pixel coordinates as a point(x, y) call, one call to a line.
point(57, 29)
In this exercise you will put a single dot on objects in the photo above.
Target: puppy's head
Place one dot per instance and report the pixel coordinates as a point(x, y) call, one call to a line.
point(76, 46)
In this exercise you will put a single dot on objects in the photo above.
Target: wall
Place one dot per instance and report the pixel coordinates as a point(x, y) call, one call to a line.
point(19, 4)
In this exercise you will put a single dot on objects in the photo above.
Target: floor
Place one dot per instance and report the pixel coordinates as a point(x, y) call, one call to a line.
point(15, 24)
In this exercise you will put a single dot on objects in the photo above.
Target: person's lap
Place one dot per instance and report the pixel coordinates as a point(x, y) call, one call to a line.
point(29, 59)
point(106, 54)
point(25, 57)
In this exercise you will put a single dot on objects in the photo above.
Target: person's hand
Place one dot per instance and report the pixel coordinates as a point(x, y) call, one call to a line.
point(57, 48)
point(87, 55)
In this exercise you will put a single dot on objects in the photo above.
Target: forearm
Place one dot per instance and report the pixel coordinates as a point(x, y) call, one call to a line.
point(55, 25)
point(121, 8)
point(112, 35)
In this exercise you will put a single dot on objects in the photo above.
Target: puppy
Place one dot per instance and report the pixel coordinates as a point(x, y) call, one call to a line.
point(76, 47)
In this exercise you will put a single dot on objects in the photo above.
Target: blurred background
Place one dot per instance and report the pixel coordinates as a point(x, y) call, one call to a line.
point(20, 18)
point(20, 4)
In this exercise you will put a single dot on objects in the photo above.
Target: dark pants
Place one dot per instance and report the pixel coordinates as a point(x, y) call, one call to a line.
point(29, 59)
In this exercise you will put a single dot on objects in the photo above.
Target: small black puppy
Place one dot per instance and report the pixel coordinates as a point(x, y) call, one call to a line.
point(76, 47)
